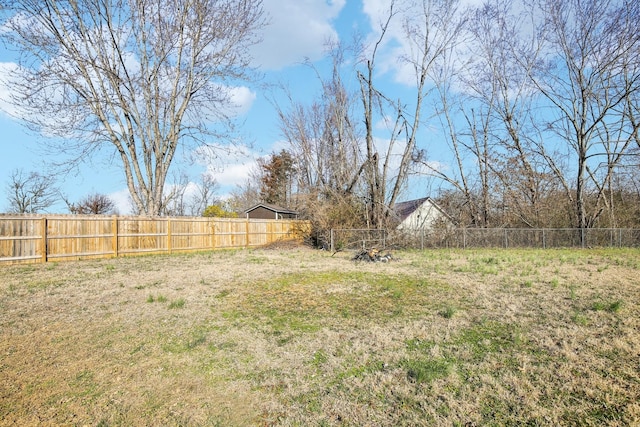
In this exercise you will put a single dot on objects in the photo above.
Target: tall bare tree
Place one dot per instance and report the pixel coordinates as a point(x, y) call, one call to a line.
point(139, 76)
point(466, 129)
point(588, 72)
point(323, 135)
point(431, 29)
point(30, 192)
point(203, 196)
point(184, 197)
point(498, 82)
point(325, 142)
point(371, 104)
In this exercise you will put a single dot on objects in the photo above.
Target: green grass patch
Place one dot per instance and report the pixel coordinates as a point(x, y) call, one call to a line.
point(353, 295)
point(320, 357)
point(360, 370)
point(160, 298)
point(448, 311)
point(426, 370)
point(46, 284)
point(420, 345)
point(608, 306)
point(488, 337)
point(223, 293)
point(179, 303)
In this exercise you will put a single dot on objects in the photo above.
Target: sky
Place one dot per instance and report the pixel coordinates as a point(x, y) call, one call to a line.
point(297, 32)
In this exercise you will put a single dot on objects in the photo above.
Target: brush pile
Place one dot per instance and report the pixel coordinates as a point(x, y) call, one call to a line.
point(372, 255)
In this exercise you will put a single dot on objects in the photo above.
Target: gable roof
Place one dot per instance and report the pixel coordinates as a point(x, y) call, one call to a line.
point(404, 209)
point(274, 208)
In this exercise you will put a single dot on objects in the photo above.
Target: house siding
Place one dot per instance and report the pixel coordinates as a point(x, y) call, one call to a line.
point(421, 214)
point(422, 218)
point(263, 212)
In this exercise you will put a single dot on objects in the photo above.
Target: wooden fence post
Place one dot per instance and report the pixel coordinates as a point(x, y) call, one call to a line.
point(43, 224)
point(114, 226)
point(169, 235)
point(213, 233)
point(247, 236)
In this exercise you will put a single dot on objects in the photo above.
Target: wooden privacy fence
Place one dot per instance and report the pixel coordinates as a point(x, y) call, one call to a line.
point(42, 238)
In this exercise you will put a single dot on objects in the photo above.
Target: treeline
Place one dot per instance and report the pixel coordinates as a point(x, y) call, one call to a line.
point(511, 113)
point(519, 114)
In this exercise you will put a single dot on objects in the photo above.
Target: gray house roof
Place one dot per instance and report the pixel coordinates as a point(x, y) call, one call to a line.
point(273, 208)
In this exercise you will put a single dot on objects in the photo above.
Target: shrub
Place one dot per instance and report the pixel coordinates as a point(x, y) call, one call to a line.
point(218, 212)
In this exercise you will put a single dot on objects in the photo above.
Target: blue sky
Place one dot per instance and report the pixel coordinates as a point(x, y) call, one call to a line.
point(298, 30)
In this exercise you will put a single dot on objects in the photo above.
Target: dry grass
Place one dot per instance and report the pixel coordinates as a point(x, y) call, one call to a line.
point(296, 337)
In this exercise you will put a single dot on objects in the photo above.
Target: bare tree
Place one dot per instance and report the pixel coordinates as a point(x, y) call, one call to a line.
point(244, 196)
point(570, 65)
point(184, 197)
point(431, 28)
point(30, 193)
point(497, 79)
point(323, 135)
point(139, 77)
point(93, 204)
point(371, 103)
point(175, 197)
point(203, 196)
point(588, 74)
point(467, 131)
point(326, 148)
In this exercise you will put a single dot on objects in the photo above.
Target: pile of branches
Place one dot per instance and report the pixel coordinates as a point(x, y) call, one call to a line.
point(372, 255)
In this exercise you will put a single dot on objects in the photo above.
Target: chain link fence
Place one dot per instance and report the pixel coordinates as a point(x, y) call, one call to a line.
point(485, 238)
point(357, 238)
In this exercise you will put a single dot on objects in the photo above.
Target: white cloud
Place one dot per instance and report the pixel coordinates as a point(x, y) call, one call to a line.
point(229, 166)
point(396, 48)
point(234, 174)
point(232, 166)
point(297, 29)
point(6, 68)
point(122, 201)
point(242, 99)
point(376, 11)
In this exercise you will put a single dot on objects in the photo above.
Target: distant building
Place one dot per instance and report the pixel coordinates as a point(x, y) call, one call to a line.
point(421, 214)
point(266, 211)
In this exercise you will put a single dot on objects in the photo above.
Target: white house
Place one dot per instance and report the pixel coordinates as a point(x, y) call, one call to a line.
point(421, 214)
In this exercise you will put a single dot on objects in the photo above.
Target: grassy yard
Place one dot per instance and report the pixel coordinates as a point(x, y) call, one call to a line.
point(298, 337)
